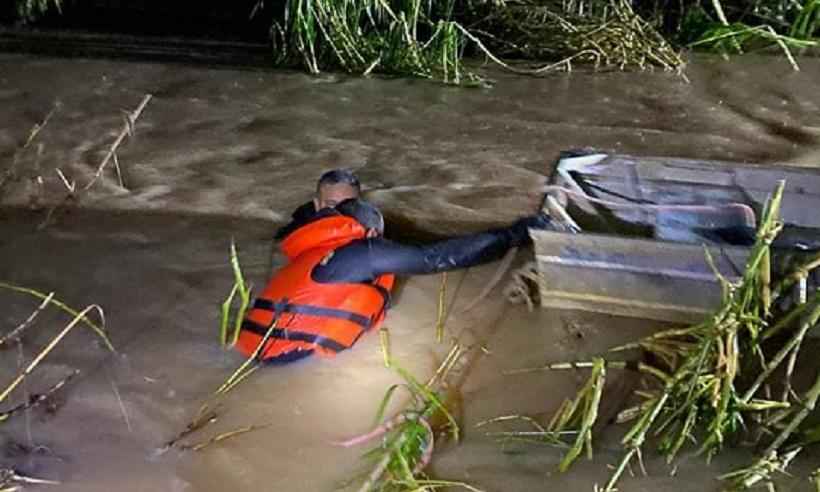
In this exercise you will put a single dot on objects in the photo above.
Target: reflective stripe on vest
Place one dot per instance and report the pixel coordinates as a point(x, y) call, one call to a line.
point(286, 307)
point(300, 336)
point(297, 336)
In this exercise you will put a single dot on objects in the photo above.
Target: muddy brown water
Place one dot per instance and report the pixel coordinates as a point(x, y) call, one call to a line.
point(221, 154)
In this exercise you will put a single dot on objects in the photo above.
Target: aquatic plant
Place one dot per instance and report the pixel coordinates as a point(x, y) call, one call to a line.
point(408, 438)
point(697, 395)
point(787, 25)
point(244, 291)
point(362, 36)
point(739, 38)
point(807, 22)
point(574, 417)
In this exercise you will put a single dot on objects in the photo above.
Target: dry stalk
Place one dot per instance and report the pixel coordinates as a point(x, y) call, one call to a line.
point(613, 37)
point(35, 131)
point(37, 399)
point(43, 353)
point(381, 467)
point(760, 471)
point(384, 342)
point(15, 333)
point(121, 403)
point(98, 329)
point(127, 130)
point(223, 436)
point(502, 269)
point(441, 312)
point(204, 416)
point(519, 290)
point(791, 345)
point(809, 402)
point(10, 478)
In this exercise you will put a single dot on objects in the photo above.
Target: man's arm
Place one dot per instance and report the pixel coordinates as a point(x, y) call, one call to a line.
point(363, 261)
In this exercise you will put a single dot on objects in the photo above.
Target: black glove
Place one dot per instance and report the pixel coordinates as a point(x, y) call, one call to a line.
point(520, 230)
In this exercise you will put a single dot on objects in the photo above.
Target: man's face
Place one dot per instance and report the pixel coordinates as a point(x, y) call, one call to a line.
point(331, 194)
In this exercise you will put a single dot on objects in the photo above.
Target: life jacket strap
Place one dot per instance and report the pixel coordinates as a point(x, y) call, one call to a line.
point(299, 336)
point(386, 296)
point(307, 309)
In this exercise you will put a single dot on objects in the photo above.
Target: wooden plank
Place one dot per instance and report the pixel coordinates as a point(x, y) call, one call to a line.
point(631, 277)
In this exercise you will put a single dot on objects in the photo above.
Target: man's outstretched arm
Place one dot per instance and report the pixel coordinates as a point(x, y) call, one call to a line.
point(365, 260)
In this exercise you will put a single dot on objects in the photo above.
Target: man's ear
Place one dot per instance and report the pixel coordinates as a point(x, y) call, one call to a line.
point(315, 204)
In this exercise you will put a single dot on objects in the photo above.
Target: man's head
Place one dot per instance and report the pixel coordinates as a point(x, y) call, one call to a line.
point(335, 187)
point(365, 214)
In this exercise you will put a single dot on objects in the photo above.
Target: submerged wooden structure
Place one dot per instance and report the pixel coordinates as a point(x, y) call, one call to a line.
point(648, 222)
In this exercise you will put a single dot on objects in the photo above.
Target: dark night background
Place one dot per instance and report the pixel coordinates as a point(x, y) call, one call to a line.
point(198, 31)
point(218, 20)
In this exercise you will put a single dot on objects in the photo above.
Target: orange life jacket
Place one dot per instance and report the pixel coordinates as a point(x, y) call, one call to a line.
point(324, 317)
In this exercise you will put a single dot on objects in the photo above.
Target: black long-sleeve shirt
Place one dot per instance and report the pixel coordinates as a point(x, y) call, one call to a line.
point(365, 259)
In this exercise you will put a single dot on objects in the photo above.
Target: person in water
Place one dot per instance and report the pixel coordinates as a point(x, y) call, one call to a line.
point(332, 188)
point(339, 273)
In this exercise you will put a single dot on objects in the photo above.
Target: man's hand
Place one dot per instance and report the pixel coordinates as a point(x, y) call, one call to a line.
point(520, 230)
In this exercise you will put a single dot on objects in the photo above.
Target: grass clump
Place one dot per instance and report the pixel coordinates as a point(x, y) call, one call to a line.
point(29, 10)
point(606, 34)
point(408, 438)
point(574, 417)
point(738, 28)
point(412, 37)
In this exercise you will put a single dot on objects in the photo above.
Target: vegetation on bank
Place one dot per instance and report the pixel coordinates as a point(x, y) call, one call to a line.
point(431, 39)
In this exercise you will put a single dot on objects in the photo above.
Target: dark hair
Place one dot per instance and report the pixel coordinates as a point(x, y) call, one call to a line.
point(336, 176)
point(364, 212)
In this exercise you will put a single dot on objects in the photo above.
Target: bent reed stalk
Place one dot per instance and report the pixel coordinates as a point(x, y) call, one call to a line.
point(32, 365)
point(98, 329)
point(408, 439)
point(47, 350)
